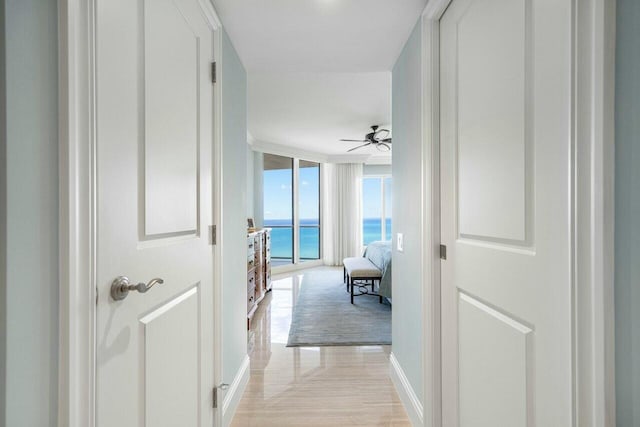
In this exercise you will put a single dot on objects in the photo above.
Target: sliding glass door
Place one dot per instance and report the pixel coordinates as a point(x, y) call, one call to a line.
point(292, 208)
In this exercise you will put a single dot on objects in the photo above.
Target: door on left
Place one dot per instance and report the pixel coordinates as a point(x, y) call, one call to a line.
point(154, 121)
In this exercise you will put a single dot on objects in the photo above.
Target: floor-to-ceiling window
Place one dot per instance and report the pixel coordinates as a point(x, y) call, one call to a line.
point(376, 208)
point(292, 208)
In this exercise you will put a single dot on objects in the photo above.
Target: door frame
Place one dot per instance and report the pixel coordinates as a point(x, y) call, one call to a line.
point(592, 188)
point(77, 198)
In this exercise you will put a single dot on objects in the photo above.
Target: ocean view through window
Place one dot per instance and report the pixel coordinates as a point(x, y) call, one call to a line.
point(295, 235)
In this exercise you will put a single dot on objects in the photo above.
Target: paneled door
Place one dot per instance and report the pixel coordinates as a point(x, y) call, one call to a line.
point(154, 101)
point(506, 213)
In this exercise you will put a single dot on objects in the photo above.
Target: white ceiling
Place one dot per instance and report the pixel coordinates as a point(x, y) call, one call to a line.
point(318, 70)
point(319, 35)
point(312, 111)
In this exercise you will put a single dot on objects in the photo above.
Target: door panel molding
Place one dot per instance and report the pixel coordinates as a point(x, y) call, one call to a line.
point(593, 51)
point(171, 205)
point(164, 328)
point(510, 356)
point(504, 150)
point(77, 195)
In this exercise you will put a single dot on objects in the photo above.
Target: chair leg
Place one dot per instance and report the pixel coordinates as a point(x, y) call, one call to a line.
point(351, 281)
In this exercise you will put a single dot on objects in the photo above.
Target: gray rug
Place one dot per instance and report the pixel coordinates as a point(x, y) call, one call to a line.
point(324, 315)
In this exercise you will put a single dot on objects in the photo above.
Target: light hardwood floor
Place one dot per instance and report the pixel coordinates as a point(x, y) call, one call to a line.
point(312, 386)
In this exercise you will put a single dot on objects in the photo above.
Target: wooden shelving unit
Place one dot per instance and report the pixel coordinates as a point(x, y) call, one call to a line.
point(258, 269)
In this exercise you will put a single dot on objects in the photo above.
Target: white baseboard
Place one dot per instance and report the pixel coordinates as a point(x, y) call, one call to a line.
point(408, 397)
point(234, 393)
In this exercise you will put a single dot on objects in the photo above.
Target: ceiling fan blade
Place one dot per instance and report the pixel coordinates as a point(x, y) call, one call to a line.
point(380, 134)
point(354, 140)
point(359, 146)
point(381, 146)
point(386, 141)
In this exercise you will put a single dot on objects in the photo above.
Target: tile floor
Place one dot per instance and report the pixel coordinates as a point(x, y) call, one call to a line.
point(312, 386)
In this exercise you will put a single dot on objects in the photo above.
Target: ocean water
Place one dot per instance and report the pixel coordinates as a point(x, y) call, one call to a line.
point(282, 236)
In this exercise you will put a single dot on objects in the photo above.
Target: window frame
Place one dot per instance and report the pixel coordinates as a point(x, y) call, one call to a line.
point(295, 218)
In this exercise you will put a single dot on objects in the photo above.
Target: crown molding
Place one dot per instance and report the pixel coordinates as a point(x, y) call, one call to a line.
point(349, 158)
point(250, 139)
point(290, 151)
point(379, 160)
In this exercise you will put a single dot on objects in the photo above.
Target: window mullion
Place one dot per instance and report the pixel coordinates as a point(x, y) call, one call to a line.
point(295, 188)
point(383, 229)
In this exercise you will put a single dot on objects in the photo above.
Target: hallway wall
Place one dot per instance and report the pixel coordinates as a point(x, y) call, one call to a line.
point(250, 182)
point(3, 223)
point(29, 269)
point(407, 216)
point(627, 244)
point(233, 87)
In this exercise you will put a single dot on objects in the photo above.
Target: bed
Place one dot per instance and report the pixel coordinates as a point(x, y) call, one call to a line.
point(379, 253)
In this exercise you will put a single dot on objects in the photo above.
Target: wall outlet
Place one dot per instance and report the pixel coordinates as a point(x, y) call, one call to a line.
point(399, 243)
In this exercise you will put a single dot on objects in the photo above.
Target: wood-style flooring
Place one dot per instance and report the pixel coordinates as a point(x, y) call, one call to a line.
point(312, 386)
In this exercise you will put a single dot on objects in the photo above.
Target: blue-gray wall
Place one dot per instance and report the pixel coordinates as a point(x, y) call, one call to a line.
point(3, 223)
point(627, 279)
point(233, 87)
point(407, 174)
point(30, 177)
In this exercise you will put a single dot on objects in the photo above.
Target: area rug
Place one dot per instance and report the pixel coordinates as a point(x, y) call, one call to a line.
point(324, 316)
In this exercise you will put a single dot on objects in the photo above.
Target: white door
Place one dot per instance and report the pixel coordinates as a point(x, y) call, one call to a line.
point(506, 213)
point(154, 101)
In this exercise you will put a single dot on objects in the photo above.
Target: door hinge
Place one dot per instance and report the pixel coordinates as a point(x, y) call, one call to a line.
point(443, 252)
point(213, 235)
point(214, 74)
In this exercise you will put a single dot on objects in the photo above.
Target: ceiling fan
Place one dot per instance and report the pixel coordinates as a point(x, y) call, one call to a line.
point(379, 138)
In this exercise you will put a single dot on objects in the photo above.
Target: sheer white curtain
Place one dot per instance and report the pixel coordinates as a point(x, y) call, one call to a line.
point(342, 212)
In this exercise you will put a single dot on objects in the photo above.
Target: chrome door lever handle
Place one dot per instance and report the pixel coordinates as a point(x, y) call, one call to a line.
point(121, 287)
